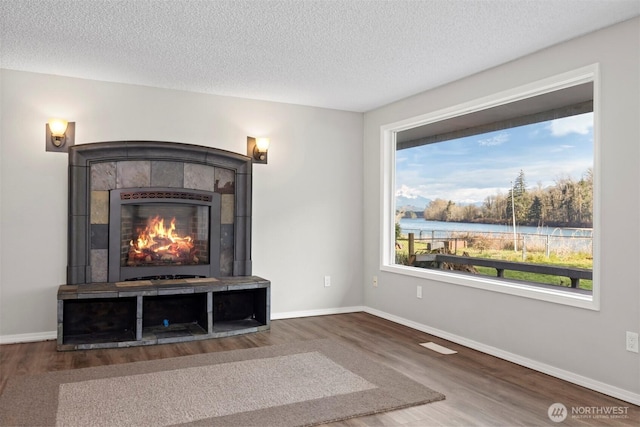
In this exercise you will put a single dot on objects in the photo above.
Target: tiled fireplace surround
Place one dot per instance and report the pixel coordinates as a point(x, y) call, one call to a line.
point(95, 169)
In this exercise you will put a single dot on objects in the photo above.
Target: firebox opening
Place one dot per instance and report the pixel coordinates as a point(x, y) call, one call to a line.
point(164, 234)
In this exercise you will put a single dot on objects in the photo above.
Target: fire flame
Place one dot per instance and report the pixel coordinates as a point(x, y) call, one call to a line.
point(159, 242)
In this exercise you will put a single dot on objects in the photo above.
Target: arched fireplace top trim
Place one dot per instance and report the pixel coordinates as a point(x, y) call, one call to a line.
point(83, 154)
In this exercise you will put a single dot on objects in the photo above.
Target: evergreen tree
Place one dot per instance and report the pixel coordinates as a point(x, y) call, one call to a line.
point(521, 198)
point(535, 211)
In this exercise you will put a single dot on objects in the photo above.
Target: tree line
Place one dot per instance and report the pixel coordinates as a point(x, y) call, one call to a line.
point(568, 203)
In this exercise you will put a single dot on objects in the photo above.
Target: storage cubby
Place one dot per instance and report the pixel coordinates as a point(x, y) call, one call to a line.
point(169, 316)
point(123, 314)
point(101, 320)
point(241, 309)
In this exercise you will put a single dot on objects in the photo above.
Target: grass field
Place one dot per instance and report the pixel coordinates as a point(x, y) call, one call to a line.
point(565, 258)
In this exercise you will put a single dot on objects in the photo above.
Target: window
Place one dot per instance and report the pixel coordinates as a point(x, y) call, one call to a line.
point(499, 192)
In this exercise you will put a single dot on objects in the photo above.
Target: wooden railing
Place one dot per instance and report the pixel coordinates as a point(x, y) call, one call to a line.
point(575, 274)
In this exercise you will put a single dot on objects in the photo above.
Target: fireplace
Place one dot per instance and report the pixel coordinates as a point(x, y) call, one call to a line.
point(117, 188)
point(163, 233)
point(159, 247)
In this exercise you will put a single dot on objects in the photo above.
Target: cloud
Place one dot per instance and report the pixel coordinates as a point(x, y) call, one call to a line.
point(581, 124)
point(408, 192)
point(498, 139)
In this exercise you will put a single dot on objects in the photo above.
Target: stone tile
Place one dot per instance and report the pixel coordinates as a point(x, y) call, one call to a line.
point(226, 249)
point(225, 181)
point(167, 174)
point(99, 236)
point(227, 202)
point(226, 236)
point(99, 265)
point(199, 177)
point(103, 176)
point(131, 174)
point(226, 262)
point(99, 207)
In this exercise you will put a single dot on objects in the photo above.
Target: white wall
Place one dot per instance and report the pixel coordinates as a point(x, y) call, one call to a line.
point(583, 345)
point(307, 202)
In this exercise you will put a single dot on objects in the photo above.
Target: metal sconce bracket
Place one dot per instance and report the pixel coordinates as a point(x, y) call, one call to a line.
point(64, 142)
point(252, 151)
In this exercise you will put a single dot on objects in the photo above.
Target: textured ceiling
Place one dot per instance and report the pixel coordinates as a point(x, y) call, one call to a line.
point(349, 55)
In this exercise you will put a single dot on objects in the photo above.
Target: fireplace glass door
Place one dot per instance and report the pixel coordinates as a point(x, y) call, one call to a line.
point(159, 234)
point(164, 234)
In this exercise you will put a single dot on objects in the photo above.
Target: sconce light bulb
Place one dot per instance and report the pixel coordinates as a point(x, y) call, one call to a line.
point(57, 127)
point(262, 144)
point(257, 149)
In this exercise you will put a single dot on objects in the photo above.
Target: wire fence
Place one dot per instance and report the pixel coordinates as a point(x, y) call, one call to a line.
point(525, 242)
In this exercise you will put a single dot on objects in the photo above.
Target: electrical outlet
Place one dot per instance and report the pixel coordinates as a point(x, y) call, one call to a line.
point(632, 341)
point(327, 281)
point(419, 291)
point(375, 281)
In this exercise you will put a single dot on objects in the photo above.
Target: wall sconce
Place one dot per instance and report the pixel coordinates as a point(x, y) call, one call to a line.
point(60, 135)
point(257, 149)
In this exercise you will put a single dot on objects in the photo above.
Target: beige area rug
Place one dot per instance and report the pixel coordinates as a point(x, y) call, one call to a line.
point(298, 384)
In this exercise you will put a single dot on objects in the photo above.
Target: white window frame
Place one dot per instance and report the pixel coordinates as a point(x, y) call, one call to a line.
point(388, 152)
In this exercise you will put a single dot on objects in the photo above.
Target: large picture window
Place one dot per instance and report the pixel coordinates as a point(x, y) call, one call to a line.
point(499, 193)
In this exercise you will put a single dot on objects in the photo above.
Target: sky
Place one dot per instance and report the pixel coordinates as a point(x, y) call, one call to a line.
point(469, 169)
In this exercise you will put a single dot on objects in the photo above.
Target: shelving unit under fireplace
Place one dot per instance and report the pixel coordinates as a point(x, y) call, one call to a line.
point(147, 312)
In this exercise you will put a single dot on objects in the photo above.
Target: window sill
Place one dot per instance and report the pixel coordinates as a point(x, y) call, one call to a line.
point(564, 296)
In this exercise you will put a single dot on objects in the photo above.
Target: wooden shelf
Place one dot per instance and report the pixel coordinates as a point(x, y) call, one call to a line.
point(236, 325)
point(124, 314)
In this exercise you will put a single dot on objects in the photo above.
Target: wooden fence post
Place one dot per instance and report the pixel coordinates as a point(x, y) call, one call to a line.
point(412, 250)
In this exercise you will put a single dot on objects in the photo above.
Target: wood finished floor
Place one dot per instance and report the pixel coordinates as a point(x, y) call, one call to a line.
point(480, 389)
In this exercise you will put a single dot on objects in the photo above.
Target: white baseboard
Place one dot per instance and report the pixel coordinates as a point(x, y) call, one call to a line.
point(618, 393)
point(32, 337)
point(320, 312)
